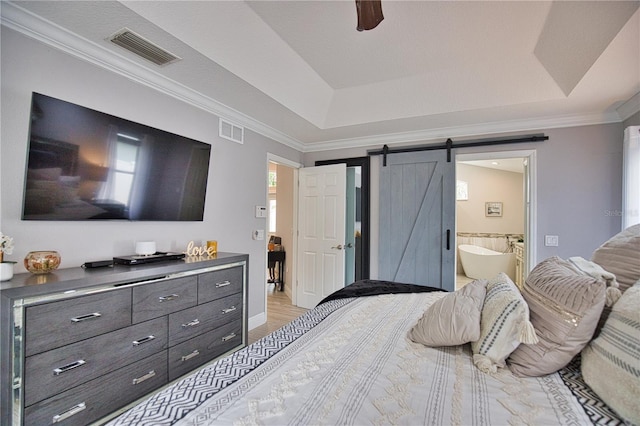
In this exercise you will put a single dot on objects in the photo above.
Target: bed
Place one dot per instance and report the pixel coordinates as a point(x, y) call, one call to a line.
point(352, 360)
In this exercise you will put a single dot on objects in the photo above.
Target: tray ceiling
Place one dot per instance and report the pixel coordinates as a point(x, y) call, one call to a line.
point(301, 73)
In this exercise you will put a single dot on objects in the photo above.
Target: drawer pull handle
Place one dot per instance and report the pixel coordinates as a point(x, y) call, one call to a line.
point(191, 355)
point(223, 284)
point(143, 340)
point(191, 323)
point(70, 412)
point(231, 309)
point(149, 375)
point(64, 369)
point(167, 298)
point(229, 337)
point(86, 317)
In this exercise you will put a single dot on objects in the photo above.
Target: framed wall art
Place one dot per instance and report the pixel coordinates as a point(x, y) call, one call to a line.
point(493, 209)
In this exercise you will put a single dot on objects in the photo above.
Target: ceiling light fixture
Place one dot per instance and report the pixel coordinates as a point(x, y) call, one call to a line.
point(369, 14)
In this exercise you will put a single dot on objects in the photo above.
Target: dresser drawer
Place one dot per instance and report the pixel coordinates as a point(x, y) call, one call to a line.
point(63, 368)
point(56, 324)
point(157, 299)
point(191, 322)
point(199, 350)
point(218, 284)
point(100, 397)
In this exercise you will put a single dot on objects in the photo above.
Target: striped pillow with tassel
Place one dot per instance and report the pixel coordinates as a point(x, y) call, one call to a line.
point(504, 324)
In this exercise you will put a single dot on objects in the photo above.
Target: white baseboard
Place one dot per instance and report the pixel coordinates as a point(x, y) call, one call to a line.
point(257, 320)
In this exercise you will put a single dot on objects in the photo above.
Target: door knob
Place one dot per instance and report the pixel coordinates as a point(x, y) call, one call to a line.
point(338, 247)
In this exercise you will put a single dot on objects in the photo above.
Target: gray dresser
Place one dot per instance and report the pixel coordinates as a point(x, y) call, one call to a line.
point(78, 345)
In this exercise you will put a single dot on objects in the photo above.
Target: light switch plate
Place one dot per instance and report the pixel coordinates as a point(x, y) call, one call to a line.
point(551, 240)
point(261, 211)
point(258, 234)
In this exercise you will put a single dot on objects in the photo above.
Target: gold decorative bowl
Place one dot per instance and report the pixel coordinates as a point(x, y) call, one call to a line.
point(42, 262)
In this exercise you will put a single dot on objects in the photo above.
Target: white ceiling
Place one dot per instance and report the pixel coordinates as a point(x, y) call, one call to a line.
point(298, 71)
point(515, 165)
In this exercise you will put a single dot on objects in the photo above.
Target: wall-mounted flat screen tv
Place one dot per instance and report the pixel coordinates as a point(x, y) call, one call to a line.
point(87, 165)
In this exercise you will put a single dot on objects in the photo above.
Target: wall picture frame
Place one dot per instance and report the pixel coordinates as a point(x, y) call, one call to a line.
point(493, 209)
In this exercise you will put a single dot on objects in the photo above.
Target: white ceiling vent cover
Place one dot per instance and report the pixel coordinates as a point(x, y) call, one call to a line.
point(142, 47)
point(231, 131)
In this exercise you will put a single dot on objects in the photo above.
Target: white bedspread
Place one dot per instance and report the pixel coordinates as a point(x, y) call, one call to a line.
point(358, 367)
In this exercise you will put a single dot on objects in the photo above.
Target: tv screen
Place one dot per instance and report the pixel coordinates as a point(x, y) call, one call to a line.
point(87, 165)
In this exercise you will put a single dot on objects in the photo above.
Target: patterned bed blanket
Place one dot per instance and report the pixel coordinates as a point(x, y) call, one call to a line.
point(348, 361)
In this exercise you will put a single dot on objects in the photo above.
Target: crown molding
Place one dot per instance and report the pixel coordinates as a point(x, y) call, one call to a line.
point(473, 130)
point(630, 107)
point(44, 31)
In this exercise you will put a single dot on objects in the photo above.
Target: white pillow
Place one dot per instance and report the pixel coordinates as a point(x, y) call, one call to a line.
point(453, 319)
point(504, 324)
point(611, 362)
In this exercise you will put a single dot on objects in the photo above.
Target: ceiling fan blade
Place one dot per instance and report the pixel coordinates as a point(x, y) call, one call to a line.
point(369, 14)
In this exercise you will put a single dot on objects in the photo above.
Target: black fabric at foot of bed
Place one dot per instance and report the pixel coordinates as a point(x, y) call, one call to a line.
point(375, 287)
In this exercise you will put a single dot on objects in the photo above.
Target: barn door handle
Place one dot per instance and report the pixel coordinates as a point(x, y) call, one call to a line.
point(448, 239)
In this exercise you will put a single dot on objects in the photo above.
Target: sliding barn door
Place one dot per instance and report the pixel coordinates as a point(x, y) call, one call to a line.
point(417, 219)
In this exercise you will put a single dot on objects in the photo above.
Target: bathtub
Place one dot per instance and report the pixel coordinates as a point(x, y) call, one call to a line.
point(480, 262)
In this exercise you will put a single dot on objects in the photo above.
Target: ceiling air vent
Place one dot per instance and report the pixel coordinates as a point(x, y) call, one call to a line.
point(231, 131)
point(142, 47)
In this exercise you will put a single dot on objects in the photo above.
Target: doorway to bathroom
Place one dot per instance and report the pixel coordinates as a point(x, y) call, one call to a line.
point(495, 215)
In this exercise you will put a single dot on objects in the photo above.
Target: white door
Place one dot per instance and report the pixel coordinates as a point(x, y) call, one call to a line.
point(321, 237)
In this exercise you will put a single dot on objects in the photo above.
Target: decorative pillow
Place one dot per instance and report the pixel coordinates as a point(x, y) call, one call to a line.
point(565, 305)
point(621, 256)
point(452, 320)
point(610, 363)
point(69, 186)
point(504, 324)
point(51, 188)
point(52, 173)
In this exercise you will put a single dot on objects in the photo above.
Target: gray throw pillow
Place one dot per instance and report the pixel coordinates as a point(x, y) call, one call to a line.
point(565, 305)
point(452, 320)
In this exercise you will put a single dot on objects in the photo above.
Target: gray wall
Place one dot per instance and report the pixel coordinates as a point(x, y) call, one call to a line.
point(237, 178)
point(485, 185)
point(634, 120)
point(579, 186)
point(579, 171)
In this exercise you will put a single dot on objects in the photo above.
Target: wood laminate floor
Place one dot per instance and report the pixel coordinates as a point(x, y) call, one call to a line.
point(280, 311)
point(462, 280)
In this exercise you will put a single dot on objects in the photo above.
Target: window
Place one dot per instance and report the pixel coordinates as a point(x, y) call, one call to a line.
point(273, 183)
point(124, 170)
point(272, 215)
point(273, 180)
point(631, 177)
